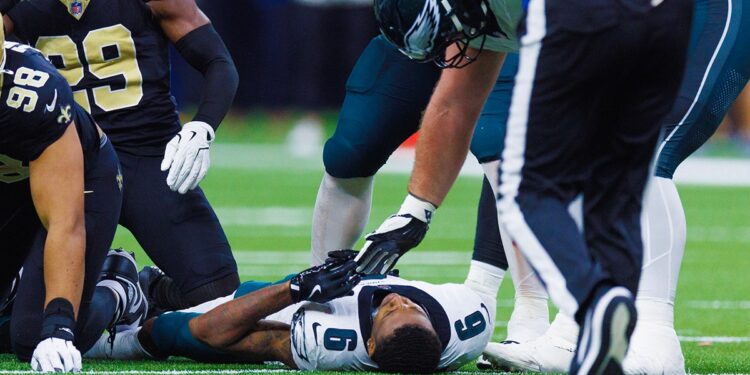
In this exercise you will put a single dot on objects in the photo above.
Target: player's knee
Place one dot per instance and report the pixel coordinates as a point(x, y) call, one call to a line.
point(343, 160)
point(214, 289)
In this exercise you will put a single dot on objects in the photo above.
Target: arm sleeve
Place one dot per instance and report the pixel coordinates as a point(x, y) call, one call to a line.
point(204, 50)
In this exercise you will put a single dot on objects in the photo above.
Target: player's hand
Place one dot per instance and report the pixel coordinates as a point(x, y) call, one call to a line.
point(325, 282)
point(56, 355)
point(187, 156)
point(398, 234)
point(341, 255)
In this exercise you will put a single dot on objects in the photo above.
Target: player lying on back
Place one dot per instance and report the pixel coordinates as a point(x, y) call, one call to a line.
point(325, 318)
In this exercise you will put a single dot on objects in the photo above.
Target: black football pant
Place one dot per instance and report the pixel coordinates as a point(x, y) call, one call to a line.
point(102, 204)
point(595, 80)
point(179, 232)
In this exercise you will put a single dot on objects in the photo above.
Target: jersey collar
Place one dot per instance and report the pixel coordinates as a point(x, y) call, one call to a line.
point(76, 7)
point(437, 314)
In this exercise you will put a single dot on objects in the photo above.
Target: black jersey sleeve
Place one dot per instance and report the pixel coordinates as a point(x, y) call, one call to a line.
point(33, 118)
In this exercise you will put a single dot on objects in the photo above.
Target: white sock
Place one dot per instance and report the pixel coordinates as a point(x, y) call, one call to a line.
point(564, 327)
point(341, 212)
point(125, 347)
point(486, 279)
point(530, 318)
point(664, 235)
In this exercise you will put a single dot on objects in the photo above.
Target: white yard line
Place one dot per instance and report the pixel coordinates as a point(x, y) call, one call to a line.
point(264, 216)
point(172, 372)
point(715, 339)
point(719, 305)
point(694, 171)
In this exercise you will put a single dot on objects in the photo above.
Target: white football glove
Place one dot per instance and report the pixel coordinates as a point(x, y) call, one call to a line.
point(398, 234)
point(56, 355)
point(187, 156)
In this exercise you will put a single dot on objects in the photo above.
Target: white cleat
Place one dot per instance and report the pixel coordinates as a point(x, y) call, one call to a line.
point(654, 349)
point(548, 353)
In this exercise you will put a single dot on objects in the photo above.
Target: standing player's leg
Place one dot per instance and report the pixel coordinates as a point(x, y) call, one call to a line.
point(385, 96)
point(717, 70)
point(553, 148)
point(530, 318)
point(180, 233)
point(103, 181)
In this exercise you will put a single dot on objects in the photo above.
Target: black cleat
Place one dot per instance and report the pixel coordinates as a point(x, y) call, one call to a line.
point(605, 335)
point(121, 270)
point(148, 278)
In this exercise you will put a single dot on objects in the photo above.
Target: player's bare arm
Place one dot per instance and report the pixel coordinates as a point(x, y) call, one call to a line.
point(187, 154)
point(237, 326)
point(56, 179)
point(448, 124)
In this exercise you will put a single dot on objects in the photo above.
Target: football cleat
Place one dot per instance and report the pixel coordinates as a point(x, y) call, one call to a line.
point(120, 274)
point(547, 353)
point(605, 335)
point(654, 349)
point(483, 363)
point(148, 277)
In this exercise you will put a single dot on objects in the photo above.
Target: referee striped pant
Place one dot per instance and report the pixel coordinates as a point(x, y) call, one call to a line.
point(595, 79)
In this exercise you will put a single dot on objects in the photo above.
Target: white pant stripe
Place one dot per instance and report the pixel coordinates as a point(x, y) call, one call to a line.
point(703, 81)
point(513, 159)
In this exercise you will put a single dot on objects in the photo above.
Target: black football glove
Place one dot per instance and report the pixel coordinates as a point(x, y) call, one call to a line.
point(341, 255)
point(347, 254)
point(325, 282)
point(398, 234)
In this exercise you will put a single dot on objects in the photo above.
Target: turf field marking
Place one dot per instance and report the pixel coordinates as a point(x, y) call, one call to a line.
point(264, 216)
point(170, 372)
point(715, 339)
point(694, 171)
point(719, 305)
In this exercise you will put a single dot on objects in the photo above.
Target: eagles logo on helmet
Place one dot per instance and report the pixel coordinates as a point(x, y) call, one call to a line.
point(423, 30)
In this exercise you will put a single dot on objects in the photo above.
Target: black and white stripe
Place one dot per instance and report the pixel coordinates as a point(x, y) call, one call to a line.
point(513, 160)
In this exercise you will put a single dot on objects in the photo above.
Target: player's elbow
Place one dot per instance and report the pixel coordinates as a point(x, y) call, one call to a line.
point(230, 75)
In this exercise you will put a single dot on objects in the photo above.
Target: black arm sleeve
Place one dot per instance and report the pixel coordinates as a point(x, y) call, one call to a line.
point(204, 50)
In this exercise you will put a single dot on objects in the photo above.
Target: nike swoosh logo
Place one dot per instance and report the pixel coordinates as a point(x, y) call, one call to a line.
point(88, 191)
point(316, 289)
point(315, 331)
point(51, 107)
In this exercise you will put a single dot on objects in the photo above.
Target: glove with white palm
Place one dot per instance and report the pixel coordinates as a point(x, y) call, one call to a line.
point(398, 234)
point(56, 352)
point(187, 156)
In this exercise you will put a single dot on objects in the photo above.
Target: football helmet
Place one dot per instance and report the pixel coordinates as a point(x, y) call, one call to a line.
point(423, 29)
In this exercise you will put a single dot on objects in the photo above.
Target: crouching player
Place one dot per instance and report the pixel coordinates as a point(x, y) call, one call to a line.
point(62, 192)
point(326, 319)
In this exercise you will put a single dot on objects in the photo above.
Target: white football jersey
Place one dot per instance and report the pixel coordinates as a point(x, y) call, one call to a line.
point(333, 336)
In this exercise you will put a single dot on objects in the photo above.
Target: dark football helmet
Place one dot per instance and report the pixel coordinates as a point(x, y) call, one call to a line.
point(423, 29)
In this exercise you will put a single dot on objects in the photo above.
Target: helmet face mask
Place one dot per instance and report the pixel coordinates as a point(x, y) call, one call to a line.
point(423, 30)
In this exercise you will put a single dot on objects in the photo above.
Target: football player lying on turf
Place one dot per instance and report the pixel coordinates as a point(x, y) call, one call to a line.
point(325, 318)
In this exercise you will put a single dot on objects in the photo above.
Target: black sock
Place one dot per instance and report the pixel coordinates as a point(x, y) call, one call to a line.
point(488, 247)
point(169, 297)
point(98, 316)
